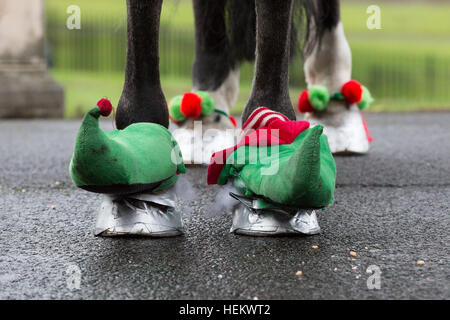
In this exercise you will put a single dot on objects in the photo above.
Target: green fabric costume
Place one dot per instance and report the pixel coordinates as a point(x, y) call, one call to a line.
point(143, 156)
point(298, 172)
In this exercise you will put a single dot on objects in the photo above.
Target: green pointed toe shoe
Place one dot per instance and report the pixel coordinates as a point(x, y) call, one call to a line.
point(285, 162)
point(141, 157)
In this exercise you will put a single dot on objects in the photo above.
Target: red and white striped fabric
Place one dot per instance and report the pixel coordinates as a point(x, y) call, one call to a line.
point(259, 118)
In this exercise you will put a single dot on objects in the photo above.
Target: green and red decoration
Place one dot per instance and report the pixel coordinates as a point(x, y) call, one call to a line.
point(318, 97)
point(284, 161)
point(142, 157)
point(192, 105)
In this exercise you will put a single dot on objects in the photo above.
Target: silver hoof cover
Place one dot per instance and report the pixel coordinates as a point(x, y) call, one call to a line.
point(143, 214)
point(256, 217)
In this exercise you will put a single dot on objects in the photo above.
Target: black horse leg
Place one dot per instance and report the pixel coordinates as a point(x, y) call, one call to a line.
point(215, 69)
point(213, 59)
point(271, 80)
point(142, 98)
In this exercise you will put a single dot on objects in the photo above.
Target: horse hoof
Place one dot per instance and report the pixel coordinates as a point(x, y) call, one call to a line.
point(345, 129)
point(143, 214)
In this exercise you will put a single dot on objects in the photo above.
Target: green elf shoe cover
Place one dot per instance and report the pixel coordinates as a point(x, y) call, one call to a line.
point(142, 157)
point(281, 160)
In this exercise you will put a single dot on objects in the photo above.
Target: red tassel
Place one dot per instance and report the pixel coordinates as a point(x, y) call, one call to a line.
point(352, 92)
point(233, 121)
point(191, 105)
point(303, 103)
point(366, 129)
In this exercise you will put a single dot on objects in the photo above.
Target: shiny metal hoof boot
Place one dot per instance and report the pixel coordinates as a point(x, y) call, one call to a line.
point(143, 214)
point(198, 145)
point(344, 128)
point(254, 217)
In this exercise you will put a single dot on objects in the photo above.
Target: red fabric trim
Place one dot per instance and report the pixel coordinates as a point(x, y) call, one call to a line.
point(257, 118)
point(253, 115)
point(277, 131)
point(264, 117)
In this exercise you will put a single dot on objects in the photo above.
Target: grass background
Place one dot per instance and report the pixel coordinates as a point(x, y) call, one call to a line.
point(406, 64)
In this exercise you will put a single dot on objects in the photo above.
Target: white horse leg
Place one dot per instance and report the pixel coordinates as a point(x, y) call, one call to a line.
point(330, 64)
point(216, 71)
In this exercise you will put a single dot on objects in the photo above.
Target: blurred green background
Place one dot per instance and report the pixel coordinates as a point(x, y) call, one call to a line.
point(406, 64)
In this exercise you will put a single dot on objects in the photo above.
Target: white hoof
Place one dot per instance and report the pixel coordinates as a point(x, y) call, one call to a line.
point(344, 128)
point(144, 214)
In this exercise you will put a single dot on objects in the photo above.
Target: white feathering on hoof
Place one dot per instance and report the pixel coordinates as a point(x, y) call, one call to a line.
point(200, 138)
point(223, 203)
point(184, 189)
point(226, 95)
point(330, 63)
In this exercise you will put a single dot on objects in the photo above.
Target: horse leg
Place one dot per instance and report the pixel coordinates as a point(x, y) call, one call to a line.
point(270, 86)
point(142, 98)
point(215, 69)
point(328, 56)
point(329, 63)
point(264, 171)
point(224, 35)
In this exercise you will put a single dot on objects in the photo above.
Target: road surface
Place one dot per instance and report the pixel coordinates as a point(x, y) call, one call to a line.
point(392, 209)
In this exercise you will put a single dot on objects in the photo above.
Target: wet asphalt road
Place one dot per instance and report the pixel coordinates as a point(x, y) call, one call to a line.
point(392, 208)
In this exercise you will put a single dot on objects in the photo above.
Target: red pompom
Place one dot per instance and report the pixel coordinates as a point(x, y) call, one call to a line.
point(191, 105)
point(352, 92)
point(303, 103)
point(233, 121)
point(105, 107)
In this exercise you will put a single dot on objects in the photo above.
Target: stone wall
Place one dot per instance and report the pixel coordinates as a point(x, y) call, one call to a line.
point(26, 88)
